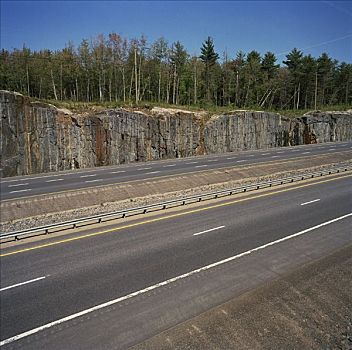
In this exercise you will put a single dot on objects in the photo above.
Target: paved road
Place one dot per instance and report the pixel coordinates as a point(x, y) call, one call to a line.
point(19, 187)
point(113, 289)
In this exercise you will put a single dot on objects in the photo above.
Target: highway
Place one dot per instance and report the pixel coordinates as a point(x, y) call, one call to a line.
point(117, 286)
point(24, 186)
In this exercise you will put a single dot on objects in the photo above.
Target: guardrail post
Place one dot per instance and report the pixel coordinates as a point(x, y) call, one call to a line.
point(46, 231)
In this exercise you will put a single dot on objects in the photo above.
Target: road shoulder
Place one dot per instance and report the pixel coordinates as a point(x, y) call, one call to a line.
point(309, 308)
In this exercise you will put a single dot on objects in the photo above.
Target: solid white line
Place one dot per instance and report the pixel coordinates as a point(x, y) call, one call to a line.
point(25, 184)
point(153, 172)
point(117, 172)
point(21, 284)
point(166, 166)
point(96, 180)
point(212, 229)
point(164, 283)
point(315, 200)
point(201, 166)
point(53, 180)
point(90, 175)
point(28, 189)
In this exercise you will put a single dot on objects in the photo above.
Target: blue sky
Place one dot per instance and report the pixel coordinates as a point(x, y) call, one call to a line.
point(277, 26)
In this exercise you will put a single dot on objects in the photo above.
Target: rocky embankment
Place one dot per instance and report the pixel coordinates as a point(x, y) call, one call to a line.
point(37, 137)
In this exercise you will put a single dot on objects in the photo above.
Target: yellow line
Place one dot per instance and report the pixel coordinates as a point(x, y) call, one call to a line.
point(173, 216)
point(284, 161)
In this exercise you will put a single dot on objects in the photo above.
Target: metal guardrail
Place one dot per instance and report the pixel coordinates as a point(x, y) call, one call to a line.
point(71, 224)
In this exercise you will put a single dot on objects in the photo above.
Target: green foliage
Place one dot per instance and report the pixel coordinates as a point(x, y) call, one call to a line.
point(114, 71)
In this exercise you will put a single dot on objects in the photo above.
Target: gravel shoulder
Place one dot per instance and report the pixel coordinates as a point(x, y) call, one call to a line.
point(309, 308)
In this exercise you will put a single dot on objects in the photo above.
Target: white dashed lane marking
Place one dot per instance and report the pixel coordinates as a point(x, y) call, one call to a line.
point(28, 189)
point(25, 184)
point(54, 180)
point(90, 175)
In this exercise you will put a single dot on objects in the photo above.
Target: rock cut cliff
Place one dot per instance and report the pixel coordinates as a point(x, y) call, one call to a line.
point(37, 137)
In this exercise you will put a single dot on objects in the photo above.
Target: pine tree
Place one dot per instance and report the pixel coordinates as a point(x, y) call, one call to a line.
point(209, 58)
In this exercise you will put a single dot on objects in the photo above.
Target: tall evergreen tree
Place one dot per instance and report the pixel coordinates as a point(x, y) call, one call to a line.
point(209, 58)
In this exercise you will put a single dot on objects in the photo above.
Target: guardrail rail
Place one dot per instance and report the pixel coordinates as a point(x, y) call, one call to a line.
point(71, 224)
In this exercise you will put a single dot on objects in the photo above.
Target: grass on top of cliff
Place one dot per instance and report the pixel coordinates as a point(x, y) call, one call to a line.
point(84, 107)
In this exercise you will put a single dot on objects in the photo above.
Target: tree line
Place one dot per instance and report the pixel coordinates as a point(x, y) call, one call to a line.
point(114, 68)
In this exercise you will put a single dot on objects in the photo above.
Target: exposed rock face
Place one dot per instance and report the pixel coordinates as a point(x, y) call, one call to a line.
point(243, 130)
point(39, 137)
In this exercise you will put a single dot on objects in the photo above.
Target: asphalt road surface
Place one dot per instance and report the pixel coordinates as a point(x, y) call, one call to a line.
point(23, 186)
point(119, 286)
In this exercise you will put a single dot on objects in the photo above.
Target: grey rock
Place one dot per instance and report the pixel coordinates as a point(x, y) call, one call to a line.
point(38, 138)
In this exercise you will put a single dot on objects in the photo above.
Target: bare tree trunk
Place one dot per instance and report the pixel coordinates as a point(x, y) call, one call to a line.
point(237, 88)
point(174, 86)
point(168, 88)
point(124, 84)
point(61, 85)
point(27, 73)
point(139, 77)
point(247, 93)
point(110, 88)
point(316, 90)
point(136, 74)
point(159, 83)
point(294, 98)
point(53, 82)
point(77, 89)
point(195, 84)
point(266, 95)
point(298, 95)
point(177, 90)
point(88, 87)
point(40, 87)
point(100, 89)
point(131, 82)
